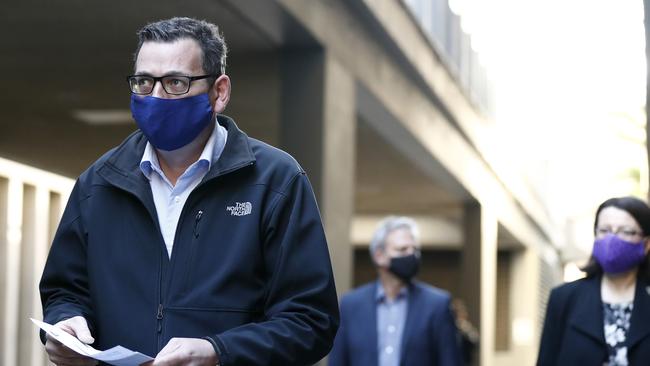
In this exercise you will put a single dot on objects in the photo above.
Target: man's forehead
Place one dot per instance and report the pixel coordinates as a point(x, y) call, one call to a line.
point(182, 55)
point(401, 237)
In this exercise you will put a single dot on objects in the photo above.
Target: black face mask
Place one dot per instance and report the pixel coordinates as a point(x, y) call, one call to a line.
point(405, 267)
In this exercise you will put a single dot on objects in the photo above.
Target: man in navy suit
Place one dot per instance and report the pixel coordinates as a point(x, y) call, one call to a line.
point(396, 320)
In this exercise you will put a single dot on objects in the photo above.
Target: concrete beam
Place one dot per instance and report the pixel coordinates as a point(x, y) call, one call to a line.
point(421, 127)
point(418, 50)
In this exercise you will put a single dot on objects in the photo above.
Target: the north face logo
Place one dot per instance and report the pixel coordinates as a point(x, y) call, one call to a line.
point(240, 209)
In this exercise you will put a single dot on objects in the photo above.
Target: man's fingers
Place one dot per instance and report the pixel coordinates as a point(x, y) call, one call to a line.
point(49, 338)
point(186, 352)
point(169, 359)
point(78, 361)
point(169, 348)
point(78, 327)
point(167, 355)
point(74, 359)
point(52, 346)
point(61, 355)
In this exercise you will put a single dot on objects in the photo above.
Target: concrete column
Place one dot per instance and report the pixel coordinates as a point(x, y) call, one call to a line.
point(524, 305)
point(478, 275)
point(318, 127)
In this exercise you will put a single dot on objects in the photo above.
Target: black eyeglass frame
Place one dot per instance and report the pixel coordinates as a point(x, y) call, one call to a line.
point(160, 78)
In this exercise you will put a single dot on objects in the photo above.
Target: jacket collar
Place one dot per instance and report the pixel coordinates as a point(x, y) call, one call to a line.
point(236, 154)
point(369, 317)
point(589, 310)
point(640, 320)
point(122, 170)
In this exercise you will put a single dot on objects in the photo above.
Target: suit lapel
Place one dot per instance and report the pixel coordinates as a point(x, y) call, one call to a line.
point(640, 320)
point(588, 307)
point(411, 317)
point(370, 318)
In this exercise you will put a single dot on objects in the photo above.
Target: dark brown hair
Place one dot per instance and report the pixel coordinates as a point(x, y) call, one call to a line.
point(206, 34)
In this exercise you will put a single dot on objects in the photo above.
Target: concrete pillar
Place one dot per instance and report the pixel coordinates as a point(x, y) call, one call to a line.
point(524, 305)
point(478, 275)
point(318, 127)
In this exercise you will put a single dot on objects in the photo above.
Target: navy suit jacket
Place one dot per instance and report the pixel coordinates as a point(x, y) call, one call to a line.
point(573, 330)
point(429, 336)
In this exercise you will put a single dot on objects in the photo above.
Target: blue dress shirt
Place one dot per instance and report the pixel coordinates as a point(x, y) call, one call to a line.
point(391, 316)
point(170, 199)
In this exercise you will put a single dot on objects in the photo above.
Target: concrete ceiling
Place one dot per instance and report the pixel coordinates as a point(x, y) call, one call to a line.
point(64, 56)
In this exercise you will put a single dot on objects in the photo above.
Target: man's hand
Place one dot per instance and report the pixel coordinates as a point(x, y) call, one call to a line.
point(186, 352)
point(61, 355)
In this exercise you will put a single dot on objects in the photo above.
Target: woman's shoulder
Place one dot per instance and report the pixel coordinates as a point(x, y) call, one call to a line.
point(567, 289)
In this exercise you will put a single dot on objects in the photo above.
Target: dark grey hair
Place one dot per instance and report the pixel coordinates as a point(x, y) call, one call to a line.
point(206, 34)
point(388, 225)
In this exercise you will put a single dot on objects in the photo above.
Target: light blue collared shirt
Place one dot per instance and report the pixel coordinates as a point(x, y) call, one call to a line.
point(391, 317)
point(170, 199)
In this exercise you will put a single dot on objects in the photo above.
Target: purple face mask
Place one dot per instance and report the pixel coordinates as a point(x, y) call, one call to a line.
point(616, 255)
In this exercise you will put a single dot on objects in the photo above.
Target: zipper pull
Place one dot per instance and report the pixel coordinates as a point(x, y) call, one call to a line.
point(196, 223)
point(159, 316)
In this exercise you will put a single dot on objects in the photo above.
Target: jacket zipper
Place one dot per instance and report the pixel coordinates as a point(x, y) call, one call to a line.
point(159, 316)
point(197, 220)
point(159, 313)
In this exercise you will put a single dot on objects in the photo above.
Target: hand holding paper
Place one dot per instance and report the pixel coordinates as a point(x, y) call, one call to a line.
point(187, 351)
point(63, 347)
point(118, 356)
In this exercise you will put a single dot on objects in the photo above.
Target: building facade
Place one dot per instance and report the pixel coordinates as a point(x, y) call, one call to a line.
point(383, 102)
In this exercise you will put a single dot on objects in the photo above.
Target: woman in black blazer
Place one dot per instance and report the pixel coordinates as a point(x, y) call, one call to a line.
point(604, 319)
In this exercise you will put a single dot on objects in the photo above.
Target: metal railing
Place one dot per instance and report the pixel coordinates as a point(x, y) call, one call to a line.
point(443, 29)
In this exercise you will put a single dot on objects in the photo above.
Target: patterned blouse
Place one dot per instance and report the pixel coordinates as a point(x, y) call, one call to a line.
point(617, 324)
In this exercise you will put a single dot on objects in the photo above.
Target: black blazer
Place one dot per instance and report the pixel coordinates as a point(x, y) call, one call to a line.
point(573, 330)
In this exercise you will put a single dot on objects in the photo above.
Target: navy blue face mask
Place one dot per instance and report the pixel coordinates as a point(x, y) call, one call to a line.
point(170, 124)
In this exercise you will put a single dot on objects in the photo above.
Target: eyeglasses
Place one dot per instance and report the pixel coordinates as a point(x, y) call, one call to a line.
point(624, 233)
point(173, 84)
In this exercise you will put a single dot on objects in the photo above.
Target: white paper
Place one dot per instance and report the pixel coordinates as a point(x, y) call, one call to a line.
point(118, 355)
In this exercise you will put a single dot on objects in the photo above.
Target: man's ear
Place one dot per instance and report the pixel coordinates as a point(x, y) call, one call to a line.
point(220, 93)
point(380, 258)
point(646, 242)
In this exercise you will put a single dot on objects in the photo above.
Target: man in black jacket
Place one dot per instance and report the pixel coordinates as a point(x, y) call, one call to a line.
point(191, 241)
